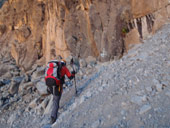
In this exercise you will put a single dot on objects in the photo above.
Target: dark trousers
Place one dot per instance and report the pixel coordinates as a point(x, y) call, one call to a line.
point(56, 101)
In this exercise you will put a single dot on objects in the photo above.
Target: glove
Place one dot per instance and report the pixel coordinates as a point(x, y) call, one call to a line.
point(73, 72)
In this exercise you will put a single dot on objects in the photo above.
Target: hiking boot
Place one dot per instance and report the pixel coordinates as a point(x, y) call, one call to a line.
point(52, 120)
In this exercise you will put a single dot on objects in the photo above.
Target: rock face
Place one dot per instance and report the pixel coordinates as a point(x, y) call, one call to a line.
point(147, 18)
point(145, 7)
point(83, 28)
point(38, 29)
point(21, 30)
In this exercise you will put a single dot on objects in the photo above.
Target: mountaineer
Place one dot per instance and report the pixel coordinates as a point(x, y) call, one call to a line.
point(55, 78)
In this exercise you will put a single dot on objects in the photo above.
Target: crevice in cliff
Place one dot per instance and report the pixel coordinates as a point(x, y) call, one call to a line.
point(38, 47)
point(120, 49)
point(43, 11)
point(150, 22)
point(139, 24)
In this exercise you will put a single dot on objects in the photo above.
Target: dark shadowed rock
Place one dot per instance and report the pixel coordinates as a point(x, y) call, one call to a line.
point(15, 85)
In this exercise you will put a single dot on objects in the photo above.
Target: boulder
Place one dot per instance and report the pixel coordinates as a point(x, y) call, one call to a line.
point(144, 109)
point(158, 85)
point(45, 103)
point(83, 63)
point(4, 69)
point(39, 73)
point(138, 99)
point(34, 103)
point(41, 87)
point(25, 86)
point(15, 85)
point(91, 60)
point(49, 106)
point(149, 89)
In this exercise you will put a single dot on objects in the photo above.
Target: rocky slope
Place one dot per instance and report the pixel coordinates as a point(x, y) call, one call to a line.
point(131, 92)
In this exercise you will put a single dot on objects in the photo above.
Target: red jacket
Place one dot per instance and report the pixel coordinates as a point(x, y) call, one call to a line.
point(64, 71)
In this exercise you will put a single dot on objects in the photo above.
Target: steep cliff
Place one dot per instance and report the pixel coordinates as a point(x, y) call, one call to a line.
point(147, 18)
point(21, 29)
point(32, 30)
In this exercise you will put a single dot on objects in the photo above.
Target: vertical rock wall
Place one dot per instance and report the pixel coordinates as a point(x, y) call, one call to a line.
point(23, 22)
point(32, 30)
point(147, 17)
point(83, 28)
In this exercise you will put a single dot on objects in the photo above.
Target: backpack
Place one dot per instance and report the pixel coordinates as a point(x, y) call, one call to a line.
point(52, 73)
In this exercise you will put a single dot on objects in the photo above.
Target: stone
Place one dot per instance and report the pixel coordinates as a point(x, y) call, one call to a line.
point(41, 87)
point(49, 106)
point(44, 103)
point(39, 73)
point(7, 75)
point(34, 103)
point(40, 109)
point(25, 86)
point(167, 93)
point(149, 89)
point(158, 85)
point(138, 99)
point(14, 87)
point(83, 63)
point(144, 109)
point(6, 81)
point(15, 74)
point(28, 109)
point(132, 38)
point(18, 79)
point(91, 60)
point(161, 19)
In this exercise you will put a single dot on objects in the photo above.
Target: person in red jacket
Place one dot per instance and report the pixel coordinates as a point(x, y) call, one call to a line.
point(57, 90)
